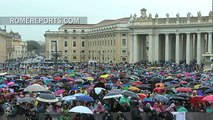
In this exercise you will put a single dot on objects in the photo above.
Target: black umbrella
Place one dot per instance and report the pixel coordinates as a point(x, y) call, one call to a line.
point(130, 94)
point(184, 95)
point(47, 97)
point(144, 87)
point(208, 91)
point(177, 98)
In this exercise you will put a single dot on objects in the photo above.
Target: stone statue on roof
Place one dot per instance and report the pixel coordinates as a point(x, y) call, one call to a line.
point(131, 19)
point(143, 13)
point(198, 14)
point(150, 16)
point(211, 13)
point(188, 15)
point(177, 15)
point(167, 15)
point(156, 16)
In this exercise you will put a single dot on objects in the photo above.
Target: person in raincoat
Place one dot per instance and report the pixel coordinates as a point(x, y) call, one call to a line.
point(180, 107)
point(124, 100)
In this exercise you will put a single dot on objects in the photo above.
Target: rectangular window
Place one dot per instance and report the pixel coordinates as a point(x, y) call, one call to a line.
point(82, 30)
point(65, 51)
point(74, 43)
point(65, 43)
point(123, 42)
point(74, 57)
point(65, 57)
point(123, 59)
point(74, 37)
point(74, 51)
point(123, 34)
point(123, 51)
point(65, 30)
point(74, 30)
point(83, 43)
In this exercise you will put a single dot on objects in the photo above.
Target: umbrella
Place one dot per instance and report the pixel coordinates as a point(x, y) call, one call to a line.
point(130, 94)
point(208, 91)
point(183, 89)
point(81, 109)
point(112, 95)
point(57, 78)
point(10, 83)
point(25, 99)
point(208, 98)
point(59, 92)
point(177, 98)
point(85, 98)
point(48, 98)
point(135, 89)
point(159, 85)
point(35, 88)
point(144, 87)
point(158, 89)
point(104, 76)
point(68, 98)
point(98, 90)
point(183, 95)
point(142, 96)
point(161, 98)
point(90, 78)
point(195, 100)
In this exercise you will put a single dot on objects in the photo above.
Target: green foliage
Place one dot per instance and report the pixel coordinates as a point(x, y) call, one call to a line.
point(33, 45)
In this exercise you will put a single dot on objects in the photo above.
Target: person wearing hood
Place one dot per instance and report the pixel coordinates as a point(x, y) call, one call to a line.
point(99, 108)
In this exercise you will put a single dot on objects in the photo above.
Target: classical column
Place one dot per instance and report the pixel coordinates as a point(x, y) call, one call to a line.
point(135, 47)
point(198, 48)
point(210, 42)
point(156, 39)
point(167, 47)
point(188, 52)
point(177, 49)
point(131, 54)
point(150, 48)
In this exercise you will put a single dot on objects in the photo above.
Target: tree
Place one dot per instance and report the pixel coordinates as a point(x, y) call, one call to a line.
point(33, 46)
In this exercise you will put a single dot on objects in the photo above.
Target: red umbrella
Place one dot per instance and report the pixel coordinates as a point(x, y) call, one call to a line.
point(142, 96)
point(158, 89)
point(57, 78)
point(59, 92)
point(208, 98)
point(195, 100)
point(183, 82)
point(184, 89)
point(138, 82)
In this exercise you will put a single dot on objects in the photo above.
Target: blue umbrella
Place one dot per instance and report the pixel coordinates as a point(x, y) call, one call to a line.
point(75, 88)
point(161, 98)
point(85, 98)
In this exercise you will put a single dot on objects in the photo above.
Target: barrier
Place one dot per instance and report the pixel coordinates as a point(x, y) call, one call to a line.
point(188, 116)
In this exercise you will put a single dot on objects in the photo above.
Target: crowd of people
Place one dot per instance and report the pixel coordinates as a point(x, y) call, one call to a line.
point(143, 90)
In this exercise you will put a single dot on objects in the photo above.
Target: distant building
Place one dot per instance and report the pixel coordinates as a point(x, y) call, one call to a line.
point(11, 47)
point(106, 41)
point(134, 39)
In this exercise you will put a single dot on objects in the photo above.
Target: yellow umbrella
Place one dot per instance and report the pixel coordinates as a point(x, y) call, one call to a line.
point(104, 76)
point(197, 86)
point(135, 89)
point(90, 78)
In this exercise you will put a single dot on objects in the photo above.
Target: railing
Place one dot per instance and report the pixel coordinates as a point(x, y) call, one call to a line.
point(127, 115)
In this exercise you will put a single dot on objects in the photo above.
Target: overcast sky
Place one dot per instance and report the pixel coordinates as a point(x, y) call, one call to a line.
point(95, 10)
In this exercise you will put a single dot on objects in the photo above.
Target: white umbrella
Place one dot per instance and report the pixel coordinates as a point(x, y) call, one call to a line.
point(98, 90)
point(48, 98)
point(81, 109)
point(112, 95)
point(35, 88)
